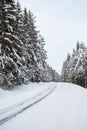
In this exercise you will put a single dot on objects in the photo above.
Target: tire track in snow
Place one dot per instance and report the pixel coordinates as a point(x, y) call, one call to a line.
point(25, 105)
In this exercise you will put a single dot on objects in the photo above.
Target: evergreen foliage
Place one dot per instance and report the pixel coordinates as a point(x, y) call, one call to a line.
point(75, 66)
point(22, 53)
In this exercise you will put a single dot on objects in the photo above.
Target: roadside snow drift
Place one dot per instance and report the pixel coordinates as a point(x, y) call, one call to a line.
point(44, 106)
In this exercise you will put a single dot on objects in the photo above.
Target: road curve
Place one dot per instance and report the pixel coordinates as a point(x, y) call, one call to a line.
point(11, 112)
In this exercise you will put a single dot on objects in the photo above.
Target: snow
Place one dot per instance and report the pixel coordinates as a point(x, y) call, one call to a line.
point(9, 98)
point(0, 48)
point(7, 6)
point(10, 28)
point(10, 16)
point(15, 37)
point(7, 39)
point(64, 107)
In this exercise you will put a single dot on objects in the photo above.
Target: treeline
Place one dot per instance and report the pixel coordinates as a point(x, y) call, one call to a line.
point(74, 68)
point(22, 53)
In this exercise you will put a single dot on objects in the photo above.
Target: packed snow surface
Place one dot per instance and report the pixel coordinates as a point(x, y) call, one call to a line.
point(44, 106)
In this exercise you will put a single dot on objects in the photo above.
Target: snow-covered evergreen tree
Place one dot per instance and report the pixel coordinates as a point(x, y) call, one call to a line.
point(33, 46)
point(66, 70)
point(77, 66)
point(29, 54)
point(11, 51)
point(22, 53)
point(49, 74)
point(19, 22)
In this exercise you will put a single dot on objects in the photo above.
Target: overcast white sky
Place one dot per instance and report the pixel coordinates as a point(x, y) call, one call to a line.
point(62, 23)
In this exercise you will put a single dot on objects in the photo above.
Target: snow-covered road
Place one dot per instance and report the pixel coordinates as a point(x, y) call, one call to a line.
point(15, 109)
point(64, 109)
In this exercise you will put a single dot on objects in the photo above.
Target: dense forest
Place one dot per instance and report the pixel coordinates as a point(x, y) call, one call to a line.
point(74, 68)
point(22, 54)
point(23, 57)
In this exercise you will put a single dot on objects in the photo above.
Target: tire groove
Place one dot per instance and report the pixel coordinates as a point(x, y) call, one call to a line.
point(4, 120)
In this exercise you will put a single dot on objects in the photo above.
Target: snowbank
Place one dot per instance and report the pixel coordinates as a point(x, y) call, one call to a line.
point(64, 109)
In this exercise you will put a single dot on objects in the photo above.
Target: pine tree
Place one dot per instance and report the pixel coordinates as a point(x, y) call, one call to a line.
point(28, 50)
point(66, 69)
point(33, 46)
point(19, 22)
point(76, 66)
point(77, 45)
point(80, 67)
point(33, 33)
point(42, 55)
point(11, 51)
point(22, 53)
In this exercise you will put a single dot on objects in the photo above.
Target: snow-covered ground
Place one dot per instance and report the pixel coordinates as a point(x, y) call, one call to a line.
point(44, 106)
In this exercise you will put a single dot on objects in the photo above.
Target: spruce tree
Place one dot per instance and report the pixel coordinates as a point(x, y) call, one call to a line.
point(76, 66)
point(11, 51)
point(22, 53)
point(32, 45)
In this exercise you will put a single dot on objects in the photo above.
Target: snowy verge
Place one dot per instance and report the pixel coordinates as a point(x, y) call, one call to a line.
point(64, 109)
point(32, 98)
